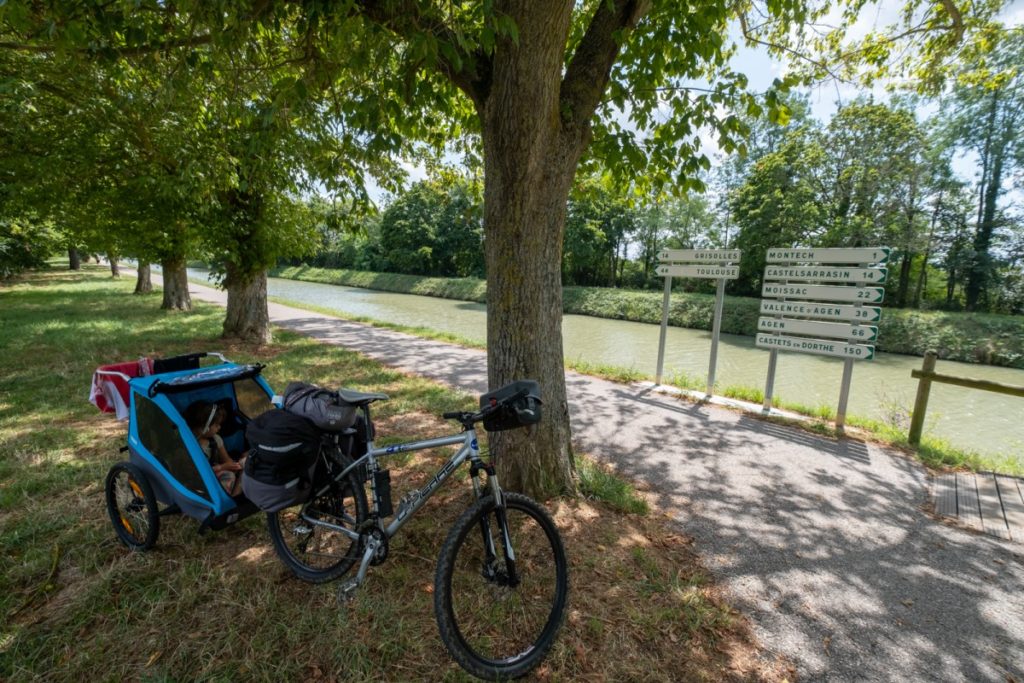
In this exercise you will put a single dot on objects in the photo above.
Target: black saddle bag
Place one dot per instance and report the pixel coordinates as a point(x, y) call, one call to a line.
point(282, 459)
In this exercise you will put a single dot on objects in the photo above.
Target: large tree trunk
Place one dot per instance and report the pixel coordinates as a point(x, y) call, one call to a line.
point(143, 280)
point(74, 259)
point(175, 276)
point(247, 318)
point(529, 169)
point(115, 269)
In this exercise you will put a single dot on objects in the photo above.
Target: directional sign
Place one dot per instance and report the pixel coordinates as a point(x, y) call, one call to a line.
point(868, 295)
point(822, 347)
point(796, 255)
point(700, 255)
point(816, 328)
point(825, 274)
point(700, 271)
point(809, 309)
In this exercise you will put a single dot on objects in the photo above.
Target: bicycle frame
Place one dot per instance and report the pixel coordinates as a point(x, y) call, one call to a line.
point(412, 501)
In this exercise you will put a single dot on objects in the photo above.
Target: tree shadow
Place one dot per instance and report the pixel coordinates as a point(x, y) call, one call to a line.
point(822, 542)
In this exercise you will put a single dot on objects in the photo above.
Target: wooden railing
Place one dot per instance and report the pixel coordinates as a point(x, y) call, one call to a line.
point(926, 375)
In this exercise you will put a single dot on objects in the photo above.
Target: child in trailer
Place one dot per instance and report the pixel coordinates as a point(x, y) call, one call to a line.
point(205, 420)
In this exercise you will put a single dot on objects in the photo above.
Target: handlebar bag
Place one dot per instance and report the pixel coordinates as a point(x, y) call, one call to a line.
point(321, 407)
point(512, 414)
point(279, 470)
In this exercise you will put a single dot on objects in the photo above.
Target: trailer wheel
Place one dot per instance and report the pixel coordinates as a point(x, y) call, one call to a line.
point(132, 506)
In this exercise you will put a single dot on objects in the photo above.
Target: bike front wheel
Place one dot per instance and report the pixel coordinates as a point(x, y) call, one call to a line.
point(501, 587)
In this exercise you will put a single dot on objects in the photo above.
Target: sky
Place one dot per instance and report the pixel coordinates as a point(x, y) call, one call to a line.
point(762, 69)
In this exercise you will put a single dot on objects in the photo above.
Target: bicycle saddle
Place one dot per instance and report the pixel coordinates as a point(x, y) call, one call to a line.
point(358, 398)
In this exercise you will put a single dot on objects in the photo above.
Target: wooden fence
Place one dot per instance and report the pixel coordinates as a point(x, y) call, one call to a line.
point(926, 375)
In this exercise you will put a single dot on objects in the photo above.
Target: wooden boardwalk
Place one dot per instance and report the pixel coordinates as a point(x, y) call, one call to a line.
point(992, 503)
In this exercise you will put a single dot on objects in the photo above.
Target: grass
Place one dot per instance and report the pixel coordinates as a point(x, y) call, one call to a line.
point(75, 605)
point(598, 483)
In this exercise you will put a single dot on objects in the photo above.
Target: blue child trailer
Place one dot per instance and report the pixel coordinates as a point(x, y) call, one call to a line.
point(168, 471)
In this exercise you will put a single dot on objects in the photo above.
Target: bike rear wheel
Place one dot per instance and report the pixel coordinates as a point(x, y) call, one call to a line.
point(495, 626)
point(312, 551)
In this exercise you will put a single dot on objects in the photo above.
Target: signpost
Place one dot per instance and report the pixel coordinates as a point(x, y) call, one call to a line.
point(710, 264)
point(817, 278)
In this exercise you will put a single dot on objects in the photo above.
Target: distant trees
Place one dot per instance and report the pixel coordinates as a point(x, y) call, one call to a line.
point(873, 174)
point(436, 228)
point(987, 116)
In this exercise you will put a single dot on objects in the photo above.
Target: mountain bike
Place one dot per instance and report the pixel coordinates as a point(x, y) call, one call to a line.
point(501, 584)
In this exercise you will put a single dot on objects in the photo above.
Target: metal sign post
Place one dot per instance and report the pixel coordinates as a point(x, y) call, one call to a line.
point(664, 328)
point(820, 325)
point(716, 331)
point(708, 264)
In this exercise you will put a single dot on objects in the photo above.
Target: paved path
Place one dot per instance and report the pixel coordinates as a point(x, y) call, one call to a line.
point(824, 545)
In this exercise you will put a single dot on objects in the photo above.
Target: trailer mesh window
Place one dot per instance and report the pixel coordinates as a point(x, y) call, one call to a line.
point(160, 436)
point(252, 398)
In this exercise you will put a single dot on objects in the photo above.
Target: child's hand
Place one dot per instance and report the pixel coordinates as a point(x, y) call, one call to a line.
point(234, 466)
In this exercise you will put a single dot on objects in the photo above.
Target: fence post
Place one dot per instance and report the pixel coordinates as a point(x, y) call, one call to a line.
point(924, 387)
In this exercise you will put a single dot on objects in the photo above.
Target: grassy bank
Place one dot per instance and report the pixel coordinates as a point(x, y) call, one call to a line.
point(966, 337)
point(74, 605)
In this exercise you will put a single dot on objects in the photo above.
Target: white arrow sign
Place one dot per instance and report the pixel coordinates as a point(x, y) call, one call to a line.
point(700, 255)
point(868, 295)
point(865, 255)
point(701, 271)
point(825, 274)
point(807, 309)
point(816, 328)
point(821, 347)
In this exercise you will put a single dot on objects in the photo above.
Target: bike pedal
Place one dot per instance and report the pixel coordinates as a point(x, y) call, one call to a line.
point(347, 590)
point(302, 529)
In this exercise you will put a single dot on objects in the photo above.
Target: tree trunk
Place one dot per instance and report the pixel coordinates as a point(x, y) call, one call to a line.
point(988, 191)
point(529, 168)
point(143, 280)
point(922, 278)
point(74, 259)
point(175, 276)
point(904, 282)
point(115, 269)
point(981, 265)
point(247, 318)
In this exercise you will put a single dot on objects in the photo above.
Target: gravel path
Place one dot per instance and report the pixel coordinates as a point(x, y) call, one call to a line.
point(824, 545)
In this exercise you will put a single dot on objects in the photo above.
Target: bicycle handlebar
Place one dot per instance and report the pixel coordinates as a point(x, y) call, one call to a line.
point(468, 419)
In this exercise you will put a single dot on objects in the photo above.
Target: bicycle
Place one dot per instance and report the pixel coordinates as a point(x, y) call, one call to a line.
point(499, 595)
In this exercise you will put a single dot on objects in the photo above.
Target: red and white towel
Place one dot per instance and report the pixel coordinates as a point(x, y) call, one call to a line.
point(109, 392)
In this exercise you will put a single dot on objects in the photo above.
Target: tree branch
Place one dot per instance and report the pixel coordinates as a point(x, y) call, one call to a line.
point(190, 41)
point(590, 69)
point(405, 19)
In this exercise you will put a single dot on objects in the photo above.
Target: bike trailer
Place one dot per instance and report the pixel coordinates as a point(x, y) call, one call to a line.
point(166, 464)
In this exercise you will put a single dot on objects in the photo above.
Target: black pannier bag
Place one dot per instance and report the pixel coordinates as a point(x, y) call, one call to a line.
point(522, 412)
point(322, 407)
point(279, 470)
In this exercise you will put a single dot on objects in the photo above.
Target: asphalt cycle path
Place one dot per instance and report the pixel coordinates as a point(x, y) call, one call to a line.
point(825, 545)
